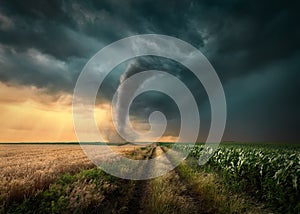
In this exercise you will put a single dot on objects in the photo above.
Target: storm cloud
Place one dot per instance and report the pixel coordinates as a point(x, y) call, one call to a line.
point(253, 46)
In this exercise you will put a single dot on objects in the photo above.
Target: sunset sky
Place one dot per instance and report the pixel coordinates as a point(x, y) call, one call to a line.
point(253, 46)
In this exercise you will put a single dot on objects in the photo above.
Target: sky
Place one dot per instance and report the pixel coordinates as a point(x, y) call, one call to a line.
point(253, 46)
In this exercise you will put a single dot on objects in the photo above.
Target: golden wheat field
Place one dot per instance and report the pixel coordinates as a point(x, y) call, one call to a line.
point(27, 169)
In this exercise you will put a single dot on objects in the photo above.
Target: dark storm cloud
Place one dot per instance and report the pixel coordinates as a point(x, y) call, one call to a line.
point(255, 35)
point(38, 25)
point(265, 105)
point(46, 44)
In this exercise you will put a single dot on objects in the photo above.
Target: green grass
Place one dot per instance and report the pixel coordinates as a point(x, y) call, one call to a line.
point(217, 198)
point(86, 192)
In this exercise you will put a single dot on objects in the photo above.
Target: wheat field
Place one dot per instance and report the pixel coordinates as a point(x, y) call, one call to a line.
point(28, 169)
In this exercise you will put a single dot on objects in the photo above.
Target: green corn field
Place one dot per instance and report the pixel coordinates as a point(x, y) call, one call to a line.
point(269, 173)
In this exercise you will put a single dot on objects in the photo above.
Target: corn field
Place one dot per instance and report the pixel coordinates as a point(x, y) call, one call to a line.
point(271, 174)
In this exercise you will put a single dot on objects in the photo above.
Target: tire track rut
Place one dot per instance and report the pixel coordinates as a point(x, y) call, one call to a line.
point(189, 192)
point(135, 205)
point(179, 187)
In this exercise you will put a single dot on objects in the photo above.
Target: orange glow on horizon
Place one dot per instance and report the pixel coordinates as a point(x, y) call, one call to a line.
point(29, 114)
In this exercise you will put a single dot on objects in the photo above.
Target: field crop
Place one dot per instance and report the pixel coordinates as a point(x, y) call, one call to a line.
point(27, 169)
point(237, 179)
point(271, 174)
